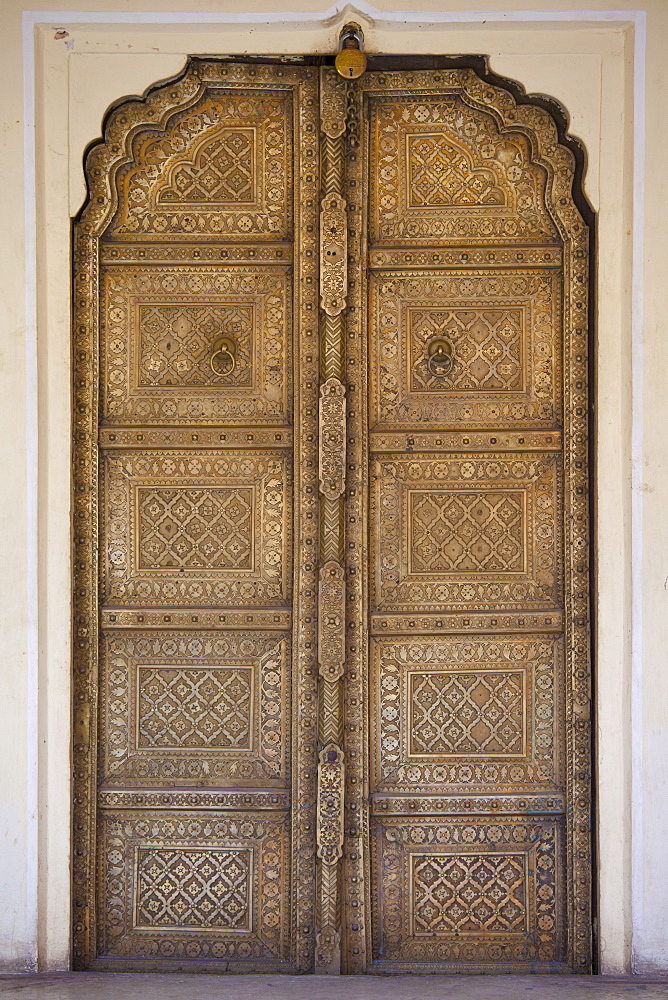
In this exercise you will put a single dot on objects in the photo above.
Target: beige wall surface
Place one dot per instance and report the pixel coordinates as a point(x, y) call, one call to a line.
point(60, 72)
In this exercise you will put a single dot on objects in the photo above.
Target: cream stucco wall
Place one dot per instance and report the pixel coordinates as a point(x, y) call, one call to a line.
point(61, 70)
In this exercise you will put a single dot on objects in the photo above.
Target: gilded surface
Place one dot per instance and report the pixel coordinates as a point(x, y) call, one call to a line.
point(465, 532)
point(159, 325)
point(475, 714)
point(196, 528)
point(506, 371)
point(403, 586)
point(476, 593)
point(195, 830)
point(217, 701)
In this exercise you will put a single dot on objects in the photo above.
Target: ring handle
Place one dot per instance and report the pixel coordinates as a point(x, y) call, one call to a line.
point(438, 355)
point(223, 348)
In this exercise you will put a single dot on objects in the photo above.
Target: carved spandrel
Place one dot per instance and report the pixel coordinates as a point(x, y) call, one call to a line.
point(332, 457)
point(450, 176)
point(221, 170)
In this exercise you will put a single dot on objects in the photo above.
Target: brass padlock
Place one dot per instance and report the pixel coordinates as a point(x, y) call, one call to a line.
point(350, 61)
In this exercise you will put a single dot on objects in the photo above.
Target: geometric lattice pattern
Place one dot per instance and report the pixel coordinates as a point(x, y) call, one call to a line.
point(195, 528)
point(193, 888)
point(460, 532)
point(441, 173)
point(195, 708)
point(222, 170)
point(469, 894)
point(466, 712)
point(175, 343)
point(486, 343)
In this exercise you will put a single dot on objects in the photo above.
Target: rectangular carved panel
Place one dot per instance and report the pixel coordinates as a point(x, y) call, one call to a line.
point(467, 715)
point(175, 343)
point(465, 532)
point(202, 890)
point(194, 886)
point(488, 349)
point(210, 708)
point(468, 894)
point(503, 327)
point(461, 531)
point(197, 528)
point(468, 891)
point(158, 329)
point(195, 708)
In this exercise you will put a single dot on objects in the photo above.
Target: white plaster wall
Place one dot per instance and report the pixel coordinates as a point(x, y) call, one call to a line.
point(74, 65)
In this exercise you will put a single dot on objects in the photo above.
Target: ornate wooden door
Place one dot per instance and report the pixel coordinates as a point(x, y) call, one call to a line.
point(332, 661)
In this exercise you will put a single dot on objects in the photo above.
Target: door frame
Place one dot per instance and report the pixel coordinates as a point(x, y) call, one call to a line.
point(51, 597)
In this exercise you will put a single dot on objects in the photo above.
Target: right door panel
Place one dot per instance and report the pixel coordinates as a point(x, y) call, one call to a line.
point(471, 491)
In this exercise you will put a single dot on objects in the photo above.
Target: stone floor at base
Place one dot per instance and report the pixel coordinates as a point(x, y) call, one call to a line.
point(108, 986)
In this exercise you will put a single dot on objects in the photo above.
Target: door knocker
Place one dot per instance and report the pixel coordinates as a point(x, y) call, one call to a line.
point(438, 355)
point(223, 356)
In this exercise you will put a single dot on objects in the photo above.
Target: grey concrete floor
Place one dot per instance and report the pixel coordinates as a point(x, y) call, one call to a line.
point(107, 986)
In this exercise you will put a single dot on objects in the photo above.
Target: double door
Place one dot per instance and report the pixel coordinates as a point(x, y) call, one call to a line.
point(330, 522)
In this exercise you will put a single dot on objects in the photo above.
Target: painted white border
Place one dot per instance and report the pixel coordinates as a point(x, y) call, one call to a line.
point(637, 436)
point(31, 19)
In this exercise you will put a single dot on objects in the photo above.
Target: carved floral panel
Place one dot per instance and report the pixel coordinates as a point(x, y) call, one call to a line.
point(197, 528)
point(466, 532)
point(503, 328)
point(194, 887)
point(222, 168)
point(159, 326)
point(467, 715)
point(447, 174)
point(204, 707)
point(467, 891)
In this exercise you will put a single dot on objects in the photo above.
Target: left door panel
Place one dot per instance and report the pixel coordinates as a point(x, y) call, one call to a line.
point(195, 343)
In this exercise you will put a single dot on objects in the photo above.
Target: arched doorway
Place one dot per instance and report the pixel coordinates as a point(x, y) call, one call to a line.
point(331, 419)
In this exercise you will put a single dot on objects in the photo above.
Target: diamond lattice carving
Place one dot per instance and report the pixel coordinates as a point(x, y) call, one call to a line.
point(486, 348)
point(195, 529)
point(469, 894)
point(191, 888)
point(175, 343)
point(454, 532)
point(220, 169)
point(467, 712)
point(442, 173)
point(195, 708)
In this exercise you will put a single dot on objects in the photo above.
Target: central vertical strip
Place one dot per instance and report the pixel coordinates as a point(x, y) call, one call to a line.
point(332, 468)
